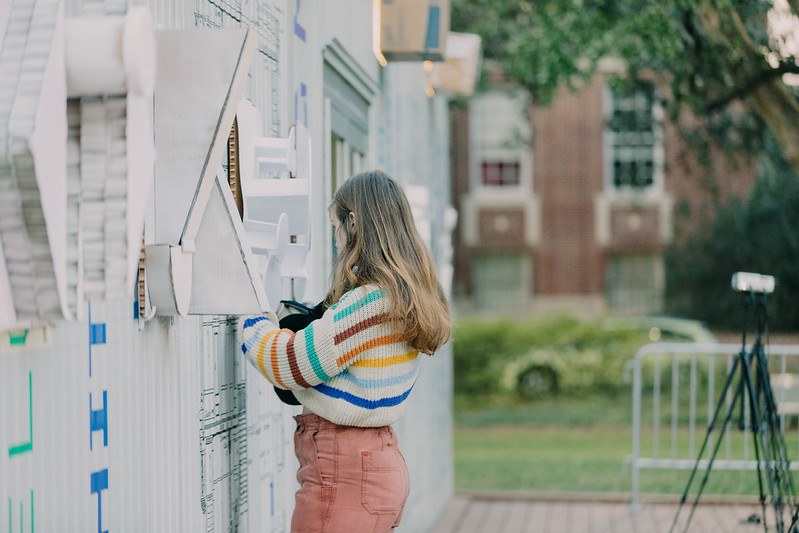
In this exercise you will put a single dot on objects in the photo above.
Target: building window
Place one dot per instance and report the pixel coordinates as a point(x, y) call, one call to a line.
point(635, 284)
point(501, 283)
point(634, 137)
point(501, 173)
point(348, 94)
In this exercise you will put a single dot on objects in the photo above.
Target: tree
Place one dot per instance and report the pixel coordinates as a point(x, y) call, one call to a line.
point(710, 53)
point(756, 234)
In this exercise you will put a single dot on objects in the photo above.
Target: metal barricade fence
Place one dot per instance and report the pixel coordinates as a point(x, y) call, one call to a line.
point(681, 381)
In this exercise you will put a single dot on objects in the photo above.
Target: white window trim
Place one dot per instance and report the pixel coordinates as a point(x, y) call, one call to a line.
point(658, 156)
point(480, 153)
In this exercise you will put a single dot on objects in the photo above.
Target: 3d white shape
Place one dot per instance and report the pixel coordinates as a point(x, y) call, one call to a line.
point(111, 55)
point(173, 283)
point(73, 187)
point(419, 198)
point(33, 132)
point(445, 250)
point(193, 207)
point(276, 185)
point(111, 66)
point(460, 69)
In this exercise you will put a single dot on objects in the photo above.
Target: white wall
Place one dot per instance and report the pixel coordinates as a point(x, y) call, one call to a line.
point(196, 440)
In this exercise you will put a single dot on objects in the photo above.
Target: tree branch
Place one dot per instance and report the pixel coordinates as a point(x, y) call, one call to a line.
point(742, 90)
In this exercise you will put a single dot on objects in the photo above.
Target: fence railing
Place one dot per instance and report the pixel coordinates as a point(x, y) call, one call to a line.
point(677, 388)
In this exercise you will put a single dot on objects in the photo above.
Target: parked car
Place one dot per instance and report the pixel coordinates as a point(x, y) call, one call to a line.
point(593, 358)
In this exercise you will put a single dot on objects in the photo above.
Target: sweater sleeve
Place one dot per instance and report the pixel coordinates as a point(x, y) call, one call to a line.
point(320, 351)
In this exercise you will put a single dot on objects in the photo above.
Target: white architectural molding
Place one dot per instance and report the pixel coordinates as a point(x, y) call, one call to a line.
point(605, 201)
point(471, 204)
point(337, 57)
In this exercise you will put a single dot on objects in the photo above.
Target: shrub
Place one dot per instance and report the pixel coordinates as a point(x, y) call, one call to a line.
point(571, 357)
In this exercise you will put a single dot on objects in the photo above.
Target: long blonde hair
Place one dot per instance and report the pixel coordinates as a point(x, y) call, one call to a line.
point(385, 249)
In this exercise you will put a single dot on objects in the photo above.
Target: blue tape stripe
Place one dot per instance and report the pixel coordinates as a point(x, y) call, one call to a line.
point(97, 333)
point(366, 300)
point(378, 383)
point(432, 38)
point(312, 356)
point(362, 402)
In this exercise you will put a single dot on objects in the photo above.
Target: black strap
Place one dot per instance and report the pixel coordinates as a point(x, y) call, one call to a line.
point(296, 322)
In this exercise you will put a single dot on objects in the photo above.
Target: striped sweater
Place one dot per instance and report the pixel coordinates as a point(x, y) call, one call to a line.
point(350, 366)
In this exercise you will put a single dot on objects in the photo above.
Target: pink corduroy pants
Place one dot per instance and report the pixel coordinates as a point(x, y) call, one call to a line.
point(352, 480)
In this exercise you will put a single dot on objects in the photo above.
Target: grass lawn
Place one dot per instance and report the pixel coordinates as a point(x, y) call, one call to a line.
point(569, 445)
point(556, 458)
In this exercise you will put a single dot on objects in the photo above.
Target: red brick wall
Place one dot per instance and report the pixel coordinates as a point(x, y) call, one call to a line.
point(567, 176)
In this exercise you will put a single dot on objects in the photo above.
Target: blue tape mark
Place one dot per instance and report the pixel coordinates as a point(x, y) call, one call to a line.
point(432, 37)
point(97, 333)
point(98, 419)
point(299, 31)
point(99, 484)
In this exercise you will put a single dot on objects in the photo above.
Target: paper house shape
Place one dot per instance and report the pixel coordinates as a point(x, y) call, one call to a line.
point(459, 71)
point(413, 30)
point(196, 257)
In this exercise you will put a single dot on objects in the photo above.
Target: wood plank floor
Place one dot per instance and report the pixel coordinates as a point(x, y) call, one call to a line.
point(476, 513)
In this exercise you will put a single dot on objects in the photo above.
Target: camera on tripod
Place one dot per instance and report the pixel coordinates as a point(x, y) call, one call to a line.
point(752, 282)
point(747, 390)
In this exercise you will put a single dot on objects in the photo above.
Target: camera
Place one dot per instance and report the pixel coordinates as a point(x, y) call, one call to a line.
point(752, 282)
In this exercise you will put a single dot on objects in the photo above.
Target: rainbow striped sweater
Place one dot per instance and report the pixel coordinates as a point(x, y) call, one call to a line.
point(350, 366)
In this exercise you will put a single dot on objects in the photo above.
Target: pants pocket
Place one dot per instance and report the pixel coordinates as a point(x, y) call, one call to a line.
point(384, 481)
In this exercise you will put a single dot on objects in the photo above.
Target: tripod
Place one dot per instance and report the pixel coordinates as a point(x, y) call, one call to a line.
point(753, 388)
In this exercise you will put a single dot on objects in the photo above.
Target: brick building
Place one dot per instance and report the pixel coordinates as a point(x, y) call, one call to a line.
point(570, 206)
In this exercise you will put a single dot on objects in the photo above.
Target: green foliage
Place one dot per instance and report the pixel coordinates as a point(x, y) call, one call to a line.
point(756, 234)
point(705, 55)
point(552, 43)
point(587, 356)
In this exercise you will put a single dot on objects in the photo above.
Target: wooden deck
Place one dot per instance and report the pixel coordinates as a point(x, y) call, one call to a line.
point(480, 513)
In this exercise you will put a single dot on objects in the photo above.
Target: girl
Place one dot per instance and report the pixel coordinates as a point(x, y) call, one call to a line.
point(354, 368)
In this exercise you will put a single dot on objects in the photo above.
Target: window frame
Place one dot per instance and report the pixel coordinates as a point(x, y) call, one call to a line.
point(610, 151)
point(514, 147)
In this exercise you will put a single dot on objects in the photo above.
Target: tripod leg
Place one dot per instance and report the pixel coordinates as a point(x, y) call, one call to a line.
point(711, 426)
point(761, 448)
point(785, 484)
